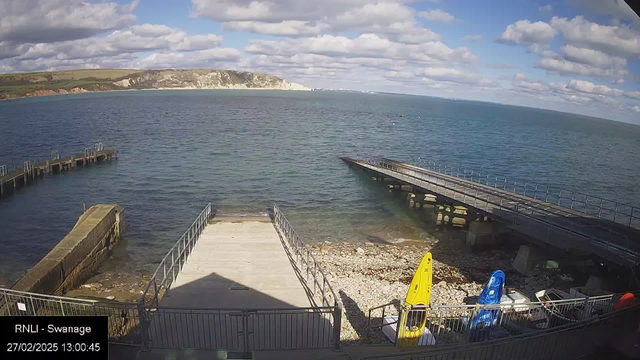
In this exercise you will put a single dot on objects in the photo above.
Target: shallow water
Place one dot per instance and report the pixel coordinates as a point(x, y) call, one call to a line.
point(243, 150)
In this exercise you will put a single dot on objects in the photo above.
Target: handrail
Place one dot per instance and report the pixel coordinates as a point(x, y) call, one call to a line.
point(301, 251)
point(588, 204)
point(489, 201)
point(543, 343)
point(454, 323)
point(5, 291)
point(177, 256)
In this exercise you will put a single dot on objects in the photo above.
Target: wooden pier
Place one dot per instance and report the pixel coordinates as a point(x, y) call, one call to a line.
point(31, 171)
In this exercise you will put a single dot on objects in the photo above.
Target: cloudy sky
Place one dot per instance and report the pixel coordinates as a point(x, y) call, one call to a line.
point(578, 56)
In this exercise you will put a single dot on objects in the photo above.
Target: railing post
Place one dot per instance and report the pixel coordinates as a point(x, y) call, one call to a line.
point(631, 215)
point(337, 325)
point(142, 319)
point(615, 212)
point(173, 269)
point(155, 286)
point(600, 208)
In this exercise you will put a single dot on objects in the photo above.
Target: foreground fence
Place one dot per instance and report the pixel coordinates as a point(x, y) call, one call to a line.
point(242, 329)
point(461, 324)
point(570, 341)
point(124, 320)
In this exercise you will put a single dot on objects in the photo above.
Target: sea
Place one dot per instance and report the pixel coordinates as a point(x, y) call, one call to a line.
point(244, 150)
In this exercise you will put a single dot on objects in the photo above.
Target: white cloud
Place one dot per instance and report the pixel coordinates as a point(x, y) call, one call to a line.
point(42, 21)
point(521, 81)
point(591, 88)
point(138, 38)
point(455, 76)
point(298, 18)
point(365, 45)
point(632, 94)
point(569, 67)
point(579, 32)
point(591, 57)
point(284, 28)
point(382, 15)
point(575, 91)
point(415, 36)
point(524, 32)
point(519, 76)
point(472, 38)
point(438, 16)
point(196, 59)
point(542, 50)
point(120, 48)
point(545, 9)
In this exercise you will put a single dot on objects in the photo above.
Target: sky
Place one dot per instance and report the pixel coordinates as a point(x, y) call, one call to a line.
point(580, 56)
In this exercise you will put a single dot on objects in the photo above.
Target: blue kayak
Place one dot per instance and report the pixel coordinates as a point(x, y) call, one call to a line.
point(491, 294)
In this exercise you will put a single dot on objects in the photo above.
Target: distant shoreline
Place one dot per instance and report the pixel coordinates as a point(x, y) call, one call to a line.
point(17, 86)
point(84, 91)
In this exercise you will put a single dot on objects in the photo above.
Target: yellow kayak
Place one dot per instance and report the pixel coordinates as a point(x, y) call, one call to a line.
point(413, 322)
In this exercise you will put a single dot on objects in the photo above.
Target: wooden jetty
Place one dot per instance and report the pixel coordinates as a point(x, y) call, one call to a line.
point(31, 171)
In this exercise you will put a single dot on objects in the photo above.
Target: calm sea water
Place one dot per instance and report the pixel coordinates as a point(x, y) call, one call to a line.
point(243, 150)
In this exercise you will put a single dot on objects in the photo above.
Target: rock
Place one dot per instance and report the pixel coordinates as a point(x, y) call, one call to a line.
point(360, 251)
point(442, 283)
point(369, 244)
point(111, 297)
point(89, 286)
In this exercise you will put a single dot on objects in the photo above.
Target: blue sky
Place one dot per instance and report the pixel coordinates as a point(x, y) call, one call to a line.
point(579, 56)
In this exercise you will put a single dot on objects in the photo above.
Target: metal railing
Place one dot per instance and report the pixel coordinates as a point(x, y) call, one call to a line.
point(98, 147)
point(490, 200)
point(595, 206)
point(55, 155)
point(454, 324)
point(569, 341)
point(3, 170)
point(124, 322)
point(242, 329)
point(309, 266)
point(27, 167)
point(313, 277)
point(171, 265)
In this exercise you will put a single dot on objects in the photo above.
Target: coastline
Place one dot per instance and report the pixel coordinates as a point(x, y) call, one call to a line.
point(84, 91)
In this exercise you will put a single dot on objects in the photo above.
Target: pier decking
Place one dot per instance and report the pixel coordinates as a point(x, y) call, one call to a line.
point(616, 240)
point(237, 264)
point(240, 284)
point(31, 171)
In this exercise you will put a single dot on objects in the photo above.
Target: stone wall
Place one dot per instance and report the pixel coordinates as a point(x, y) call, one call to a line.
point(78, 254)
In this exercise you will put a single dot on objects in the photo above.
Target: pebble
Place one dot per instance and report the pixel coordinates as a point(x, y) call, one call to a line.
point(111, 297)
point(381, 275)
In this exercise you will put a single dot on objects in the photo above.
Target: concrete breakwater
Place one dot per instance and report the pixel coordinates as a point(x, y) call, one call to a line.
point(78, 254)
